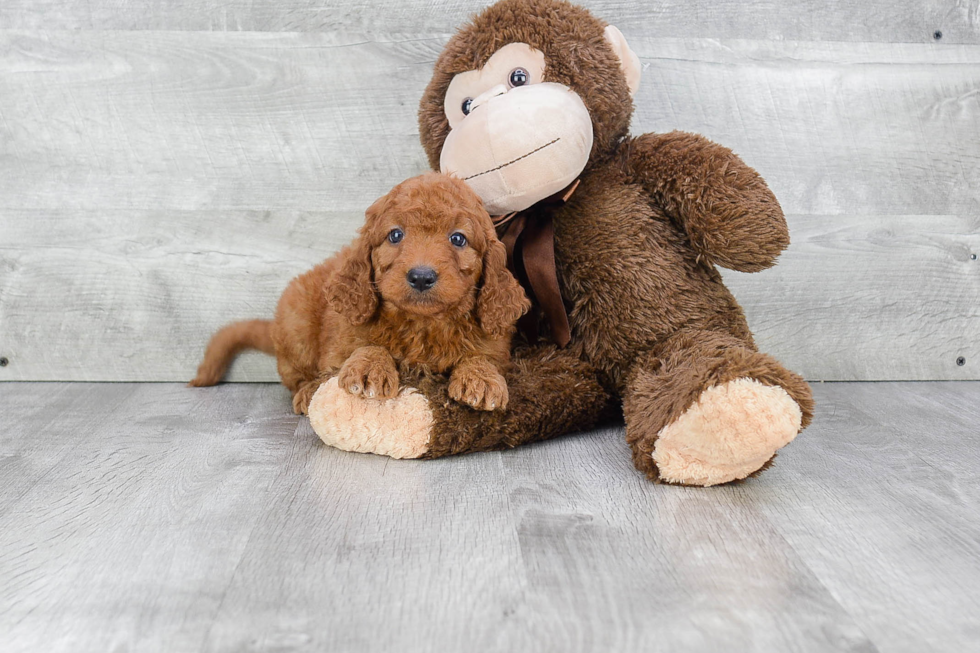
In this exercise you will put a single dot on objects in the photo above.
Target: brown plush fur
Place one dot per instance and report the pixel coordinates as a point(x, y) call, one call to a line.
point(675, 373)
point(652, 323)
point(553, 394)
point(356, 316)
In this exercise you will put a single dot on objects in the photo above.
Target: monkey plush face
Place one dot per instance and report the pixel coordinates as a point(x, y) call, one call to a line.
point(524, 98)
point(514, 137)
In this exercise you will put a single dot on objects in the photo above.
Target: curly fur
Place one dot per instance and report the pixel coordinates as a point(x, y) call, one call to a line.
point(350, 292)
point(356, 317)
point(502, 301)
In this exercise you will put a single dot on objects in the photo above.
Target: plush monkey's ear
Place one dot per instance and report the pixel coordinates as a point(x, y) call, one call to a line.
point(502, 300)
point(628, 60)
point(351, 292)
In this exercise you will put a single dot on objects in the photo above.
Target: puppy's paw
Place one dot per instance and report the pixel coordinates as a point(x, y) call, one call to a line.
point(303, 396)
point(483, 390)
point(370, 374)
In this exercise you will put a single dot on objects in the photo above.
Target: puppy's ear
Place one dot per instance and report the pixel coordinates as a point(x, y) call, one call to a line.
point(351, 292)
point(502, 300)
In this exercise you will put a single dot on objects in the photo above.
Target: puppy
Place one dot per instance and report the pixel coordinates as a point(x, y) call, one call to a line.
point(424, 285)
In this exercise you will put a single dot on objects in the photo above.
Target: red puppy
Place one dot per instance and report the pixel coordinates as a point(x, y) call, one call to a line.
point(424, 285)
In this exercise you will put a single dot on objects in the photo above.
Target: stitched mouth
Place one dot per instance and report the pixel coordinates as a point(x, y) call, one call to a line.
point(504, 165)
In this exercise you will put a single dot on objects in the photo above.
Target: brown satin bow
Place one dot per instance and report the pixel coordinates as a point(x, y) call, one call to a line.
point(531, 234)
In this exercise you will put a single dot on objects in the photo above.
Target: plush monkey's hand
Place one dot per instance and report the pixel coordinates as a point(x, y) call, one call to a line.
point(728, 212)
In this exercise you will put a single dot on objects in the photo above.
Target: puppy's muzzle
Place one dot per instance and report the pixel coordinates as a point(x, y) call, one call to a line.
point(422, 279)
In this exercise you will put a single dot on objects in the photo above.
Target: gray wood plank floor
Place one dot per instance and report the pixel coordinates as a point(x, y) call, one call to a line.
point(154, 517)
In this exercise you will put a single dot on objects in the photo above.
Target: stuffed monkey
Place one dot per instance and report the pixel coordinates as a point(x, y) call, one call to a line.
point(534, 98)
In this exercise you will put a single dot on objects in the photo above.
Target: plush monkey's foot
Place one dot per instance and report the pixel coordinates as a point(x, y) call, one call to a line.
point(399, 427)
point(731, 431)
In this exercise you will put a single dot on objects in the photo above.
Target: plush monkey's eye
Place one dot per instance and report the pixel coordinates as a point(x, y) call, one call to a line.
point(395, 236)
point(518, 77)
point(458, 239)
point(467, 103)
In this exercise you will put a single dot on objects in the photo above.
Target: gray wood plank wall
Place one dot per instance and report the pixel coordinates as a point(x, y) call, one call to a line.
point(167, 167)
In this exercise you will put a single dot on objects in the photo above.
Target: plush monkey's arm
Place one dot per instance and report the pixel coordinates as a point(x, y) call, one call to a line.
point(552, 392)
point(728, 212)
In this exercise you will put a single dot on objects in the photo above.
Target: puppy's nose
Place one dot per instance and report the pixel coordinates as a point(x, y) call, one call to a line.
point(422, 278)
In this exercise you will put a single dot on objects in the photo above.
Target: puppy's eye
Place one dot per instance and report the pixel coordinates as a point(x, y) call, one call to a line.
point(518, 77)
point(458, 239)
point(395, 236)
point(467, 103)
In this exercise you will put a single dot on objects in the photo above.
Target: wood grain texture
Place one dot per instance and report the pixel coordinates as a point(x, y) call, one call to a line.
point(201, 121)
point(614, 564)
point(871, 297)
point(163, 518)
point(154, 285)
point(139, 526)
point(890, 476)
point(883, 297)
point(913, 21)
point(156, 185)
point(31, 413)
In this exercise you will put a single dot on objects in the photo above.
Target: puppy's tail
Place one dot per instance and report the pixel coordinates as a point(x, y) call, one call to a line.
point(228, 343)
